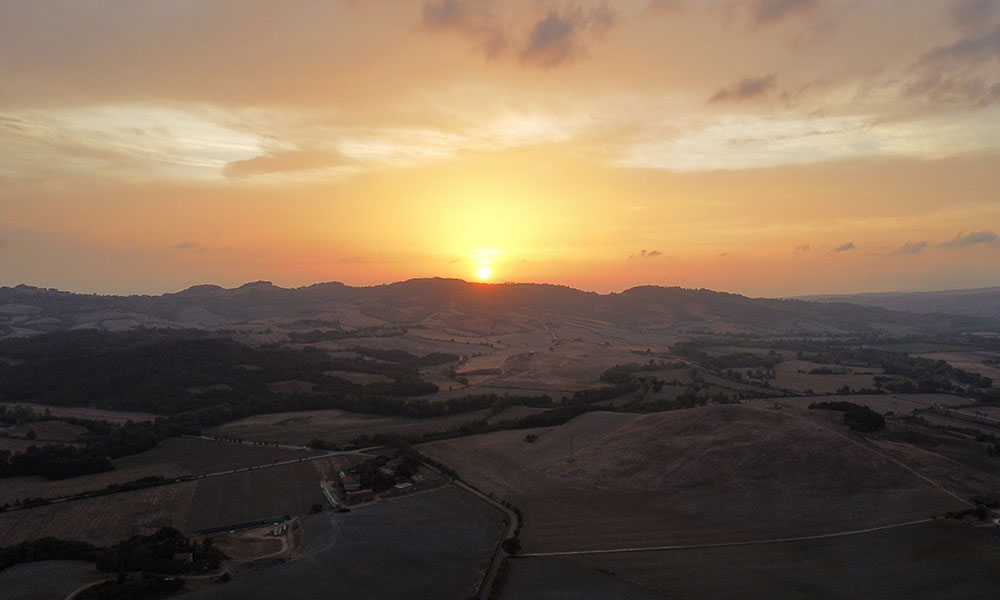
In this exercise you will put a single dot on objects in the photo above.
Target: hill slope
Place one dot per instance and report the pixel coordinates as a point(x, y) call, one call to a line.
point(27, 310)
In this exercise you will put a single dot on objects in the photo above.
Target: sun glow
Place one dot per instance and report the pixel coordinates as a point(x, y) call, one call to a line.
point(483, 273)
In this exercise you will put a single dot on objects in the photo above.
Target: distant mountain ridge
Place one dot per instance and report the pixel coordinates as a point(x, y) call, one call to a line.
point(27, 310)
point(980, 302)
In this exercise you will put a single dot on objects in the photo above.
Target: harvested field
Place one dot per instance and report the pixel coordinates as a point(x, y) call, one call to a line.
point(47, 431)
point(900, 404)
point(292, 386)
point(788, 377)
point(173, 457)
point(15, 445)
point(545, 578)
point(513, 413)
point(336, 426)
point(90, 414)
point(359, 378)
point(248, 545)
point(47, 580)
point(255, 494)
point(932, 561)
point(101, 521)
point(719, 473)
point(436, 544)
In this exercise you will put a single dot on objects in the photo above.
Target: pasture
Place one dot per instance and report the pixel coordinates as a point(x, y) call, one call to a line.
point(718, 473)
point(940, 560)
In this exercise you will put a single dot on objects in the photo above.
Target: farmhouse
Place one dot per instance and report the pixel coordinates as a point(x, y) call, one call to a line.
point(364, 495)
point(402, 488)
point(350, 482)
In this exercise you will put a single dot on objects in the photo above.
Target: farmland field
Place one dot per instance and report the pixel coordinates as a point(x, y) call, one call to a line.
point(247, 495)
point(103, 520)
point(900, 404)
point(435, 544)
point(719, 473)
point(333, 426)
point(931, 561)
point(47, 580)
point(90, 414)
point(788, 377)
point(172, 457)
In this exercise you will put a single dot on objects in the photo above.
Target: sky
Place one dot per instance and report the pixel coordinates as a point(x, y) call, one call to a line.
point(764, 147)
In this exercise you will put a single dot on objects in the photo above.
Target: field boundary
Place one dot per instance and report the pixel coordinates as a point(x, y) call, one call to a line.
point(726, 544)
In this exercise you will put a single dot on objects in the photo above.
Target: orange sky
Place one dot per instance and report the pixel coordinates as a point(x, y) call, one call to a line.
point(767, 147)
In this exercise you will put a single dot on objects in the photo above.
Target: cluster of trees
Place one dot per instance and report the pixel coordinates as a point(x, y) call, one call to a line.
point(153, 553)
point(858, 418)
point(102, 443)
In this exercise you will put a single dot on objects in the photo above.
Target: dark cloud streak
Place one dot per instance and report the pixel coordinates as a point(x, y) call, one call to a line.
point(745, 89)
point(972, 239)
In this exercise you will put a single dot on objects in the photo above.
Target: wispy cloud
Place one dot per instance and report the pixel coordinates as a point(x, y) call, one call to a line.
point(802, 248)
point(767, 12)
point(959, 73)
point(555, 38)
point(472, 18)
point(971, 239)
point(971, 15)
point(646, 254)
point(745, 89)
point(845, 247)
point(911, 248)
point(193, 246)
point(282, 162)
point(559, 37)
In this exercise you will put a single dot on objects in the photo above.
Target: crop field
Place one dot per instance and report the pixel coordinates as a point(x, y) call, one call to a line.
point(435, 544)
point(101, 521)
point(333, 426)
point(47, 580)
point(719, 473)
point(788, 377)
point(90, 414)
point(900, 404)
point(258, 493)
point(940, 560)
point(544, 578)
point(174, 457)
point(47, 431)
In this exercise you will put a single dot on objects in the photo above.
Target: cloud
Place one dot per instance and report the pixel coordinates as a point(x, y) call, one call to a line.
point(748, 88)
point(911, 248)
point(646, 254)
point(972, 239)
point(281, 162)
point(189, 246)
point(970, 15)
point(802, 248)
point(766, 12)
point(845, 247)
point(472, 18)
point(552, 40)
point(660, 7)
point(961, 72)
point(557, 38)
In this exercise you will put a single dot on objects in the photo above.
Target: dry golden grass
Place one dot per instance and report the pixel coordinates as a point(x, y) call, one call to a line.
point(718, 473)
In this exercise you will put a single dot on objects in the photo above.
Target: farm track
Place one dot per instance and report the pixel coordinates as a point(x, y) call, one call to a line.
point(726, 544)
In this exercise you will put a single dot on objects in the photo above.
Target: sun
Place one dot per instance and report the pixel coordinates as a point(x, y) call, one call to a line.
point(483, 273)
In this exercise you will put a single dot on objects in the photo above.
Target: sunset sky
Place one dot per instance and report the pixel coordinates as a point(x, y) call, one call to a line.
point(766, 147)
